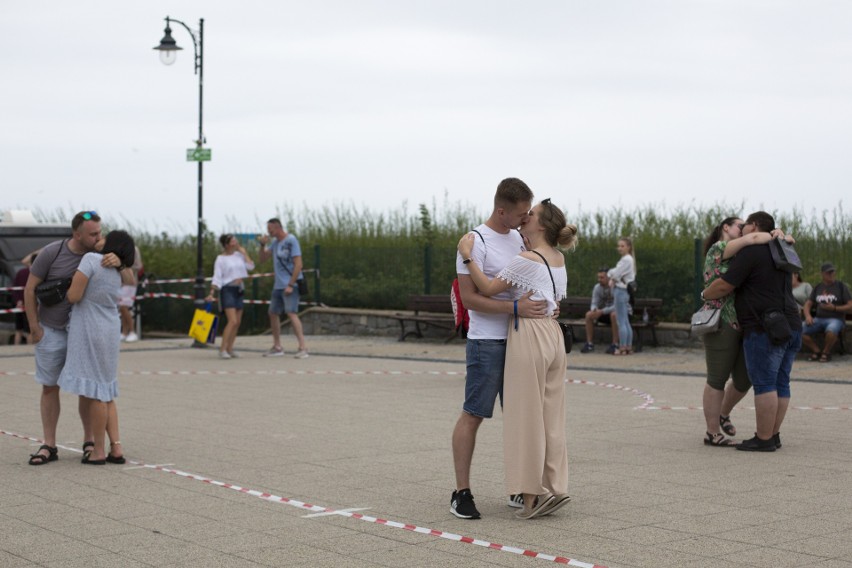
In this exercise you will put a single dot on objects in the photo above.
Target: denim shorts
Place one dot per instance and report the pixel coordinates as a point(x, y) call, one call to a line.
point(769, 365)
point(231, 297)
point(284, 303)
point(825, 325)
point(50, 355)
point(484, 381)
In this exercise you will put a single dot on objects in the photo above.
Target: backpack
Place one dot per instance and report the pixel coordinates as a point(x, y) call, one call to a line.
point(462, 318)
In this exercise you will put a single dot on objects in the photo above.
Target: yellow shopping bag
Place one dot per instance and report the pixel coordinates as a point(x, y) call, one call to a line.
point(203, 328)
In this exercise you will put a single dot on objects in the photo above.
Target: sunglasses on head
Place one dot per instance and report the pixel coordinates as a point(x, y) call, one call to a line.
point(87, 215)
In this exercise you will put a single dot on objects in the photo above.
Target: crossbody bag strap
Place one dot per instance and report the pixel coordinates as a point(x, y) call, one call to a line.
point(549, 271)
point(58, 252)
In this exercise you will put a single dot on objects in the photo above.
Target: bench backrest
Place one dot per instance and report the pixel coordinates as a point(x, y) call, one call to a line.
point(438, 303)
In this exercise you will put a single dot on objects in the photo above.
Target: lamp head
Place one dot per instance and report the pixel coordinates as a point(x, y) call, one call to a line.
point(168, 47)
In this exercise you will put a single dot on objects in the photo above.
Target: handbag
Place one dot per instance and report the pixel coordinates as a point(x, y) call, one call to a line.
point(302, 286)
point(776, 326)
point(204, 324)
point(567, 330)
point(705, 321)
point(784, 256)
point(51, 292)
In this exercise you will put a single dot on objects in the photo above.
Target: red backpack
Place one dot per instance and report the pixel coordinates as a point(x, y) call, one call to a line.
point(459, 311)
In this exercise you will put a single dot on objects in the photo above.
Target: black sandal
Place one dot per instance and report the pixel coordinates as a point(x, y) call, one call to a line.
point(725, 423)
point(87, 461)
point(814, 357)
point(718, 440)
point(825, 358)
point(87, 450)
point(41, 459)
point(115, 459)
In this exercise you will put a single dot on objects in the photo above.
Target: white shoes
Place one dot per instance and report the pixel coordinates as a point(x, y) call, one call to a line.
point(131, 337)
point(224, 355)
point(301, 354)
point(279, 352)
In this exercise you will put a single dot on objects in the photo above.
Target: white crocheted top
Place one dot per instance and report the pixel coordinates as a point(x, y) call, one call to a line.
point(525, 275)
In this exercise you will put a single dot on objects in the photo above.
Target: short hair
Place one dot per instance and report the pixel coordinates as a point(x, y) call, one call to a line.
point(512, 191)
point(603, 269)
point(225, 239)
point(121, 244)
point(275, 221)
point(762, 220)
point(82, 217)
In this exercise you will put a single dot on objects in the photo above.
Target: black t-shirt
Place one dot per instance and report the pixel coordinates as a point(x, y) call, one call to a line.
point(835, 293)
point(760, 286)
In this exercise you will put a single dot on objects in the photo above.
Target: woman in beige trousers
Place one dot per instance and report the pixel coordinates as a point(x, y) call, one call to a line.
point(534, 438)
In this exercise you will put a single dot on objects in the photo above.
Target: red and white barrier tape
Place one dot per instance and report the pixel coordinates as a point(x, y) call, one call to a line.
point(343, 513)
point(12, 311)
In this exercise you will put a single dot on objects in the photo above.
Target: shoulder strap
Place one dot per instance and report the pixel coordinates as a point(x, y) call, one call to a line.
point(481, 238)
point(58, 251)
point(549, 271)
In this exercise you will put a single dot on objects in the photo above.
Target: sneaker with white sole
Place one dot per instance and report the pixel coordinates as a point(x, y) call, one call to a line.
point(516, 501)
point(274, 352)
point(462, 505)
point(234, 354)
point(131, 337)
point(224, 355)
point(302, 354)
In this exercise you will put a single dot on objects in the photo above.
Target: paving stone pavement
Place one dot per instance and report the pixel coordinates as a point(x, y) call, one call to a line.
point(343, 459)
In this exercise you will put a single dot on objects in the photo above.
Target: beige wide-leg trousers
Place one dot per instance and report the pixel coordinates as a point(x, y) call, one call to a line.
point(534, 439)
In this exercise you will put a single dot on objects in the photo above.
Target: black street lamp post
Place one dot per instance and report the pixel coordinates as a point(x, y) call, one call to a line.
point(168, 49)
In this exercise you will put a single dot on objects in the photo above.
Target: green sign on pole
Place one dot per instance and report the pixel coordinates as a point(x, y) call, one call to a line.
point(198, 154)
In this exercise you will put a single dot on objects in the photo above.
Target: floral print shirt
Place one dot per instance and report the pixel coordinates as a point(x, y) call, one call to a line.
point(715, 267)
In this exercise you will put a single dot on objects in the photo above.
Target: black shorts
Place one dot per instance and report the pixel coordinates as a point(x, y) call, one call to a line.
point(22, 323)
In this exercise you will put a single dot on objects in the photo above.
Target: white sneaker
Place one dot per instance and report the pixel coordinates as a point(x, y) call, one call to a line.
point(123, 337)
point(302, 354)
point(224, 355)
point(234, 354)
point(131, 337)
point(274, 352)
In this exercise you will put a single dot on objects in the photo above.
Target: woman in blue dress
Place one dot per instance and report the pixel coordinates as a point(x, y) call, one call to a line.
point(94, 336)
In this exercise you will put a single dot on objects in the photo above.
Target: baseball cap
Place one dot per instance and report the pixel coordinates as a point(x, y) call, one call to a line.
point(827, 267)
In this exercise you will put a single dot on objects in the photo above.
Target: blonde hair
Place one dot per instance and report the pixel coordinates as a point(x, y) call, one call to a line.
point(556, 231)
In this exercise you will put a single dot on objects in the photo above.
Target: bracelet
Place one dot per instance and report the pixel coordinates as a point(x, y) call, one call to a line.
point(516, 315)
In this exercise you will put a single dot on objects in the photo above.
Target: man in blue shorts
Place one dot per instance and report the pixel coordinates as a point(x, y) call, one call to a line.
point(489, 322)
point(286, 255)
point(760, 288)
point(832, 301)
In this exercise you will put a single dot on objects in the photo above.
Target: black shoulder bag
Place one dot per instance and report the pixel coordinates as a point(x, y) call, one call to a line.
point(567, 331)
point(51, 292)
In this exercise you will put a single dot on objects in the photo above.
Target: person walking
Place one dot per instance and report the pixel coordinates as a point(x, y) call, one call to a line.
point(485, 351)
point(620, 277)
point(286, 254)
point(228, 272)
point(534, 438)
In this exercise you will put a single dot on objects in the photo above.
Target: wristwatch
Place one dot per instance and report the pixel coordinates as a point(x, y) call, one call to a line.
point(703, 299)
point(467, 261)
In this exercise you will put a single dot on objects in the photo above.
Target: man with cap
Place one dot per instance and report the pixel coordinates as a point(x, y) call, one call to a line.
point(833, 301)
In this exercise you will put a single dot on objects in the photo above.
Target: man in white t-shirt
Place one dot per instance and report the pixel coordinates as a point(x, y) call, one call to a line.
point(489, 323)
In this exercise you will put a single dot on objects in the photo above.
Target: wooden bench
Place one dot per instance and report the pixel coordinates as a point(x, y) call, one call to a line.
point(434, 310)
point(572, 310)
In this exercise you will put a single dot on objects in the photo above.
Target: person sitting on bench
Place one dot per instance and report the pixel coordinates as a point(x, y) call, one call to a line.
point(602, 309)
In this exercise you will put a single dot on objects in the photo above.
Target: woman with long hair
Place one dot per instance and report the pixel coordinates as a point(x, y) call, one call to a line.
point(534, 444)
point(228, 272)
point(91, 368)
point(723, 351)
point(620, 277)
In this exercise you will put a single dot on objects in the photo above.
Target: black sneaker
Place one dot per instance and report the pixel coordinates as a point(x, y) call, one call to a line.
point(777, 439)
point(462, 506)
point(587, 348)
point(757, 445)
point(516, 501)
point(611, 349)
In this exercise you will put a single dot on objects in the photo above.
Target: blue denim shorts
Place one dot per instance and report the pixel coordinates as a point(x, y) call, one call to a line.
point(284, 303)
point(824, 325)
point(484, 381)
point(231, 297)
point(769, 365)
point(50, 355)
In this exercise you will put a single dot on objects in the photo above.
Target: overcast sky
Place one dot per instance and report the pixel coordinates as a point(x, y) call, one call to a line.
point(595, 103)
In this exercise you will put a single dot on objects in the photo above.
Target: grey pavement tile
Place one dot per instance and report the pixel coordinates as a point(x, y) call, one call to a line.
point(290, 553)
point(354, 544)
point(415, 556)
point(96, 559)
point(775, 557)
point(646, 535)
point(9, 560)
point(833, 563)
point(643, 555)
point(709, 545)
point(834, 545)
point(311, 530)
point(239, 542)
point(219, 561)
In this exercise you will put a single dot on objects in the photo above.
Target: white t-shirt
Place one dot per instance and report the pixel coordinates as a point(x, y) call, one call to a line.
point(492, 257)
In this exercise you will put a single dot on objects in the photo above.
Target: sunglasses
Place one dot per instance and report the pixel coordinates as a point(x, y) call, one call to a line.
point(546, 205)
point(87, 215)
